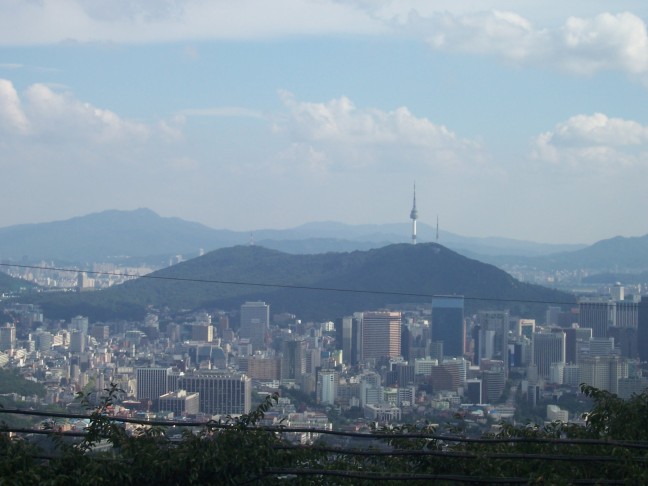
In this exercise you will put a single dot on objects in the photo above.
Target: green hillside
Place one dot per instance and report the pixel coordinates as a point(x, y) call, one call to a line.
point(11, 284)
point(363, 279)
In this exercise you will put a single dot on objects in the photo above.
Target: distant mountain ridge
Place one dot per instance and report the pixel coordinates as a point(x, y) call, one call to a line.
point(618, 255)
point(141, 233)
point(321, 286)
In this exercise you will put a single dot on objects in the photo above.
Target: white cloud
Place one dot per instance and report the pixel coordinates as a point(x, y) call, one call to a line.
point(580, 45)
point(12, 117)
point(594, 142)
point(43, 124)
point(349, 137)
point(144, 21)
point(61, 114)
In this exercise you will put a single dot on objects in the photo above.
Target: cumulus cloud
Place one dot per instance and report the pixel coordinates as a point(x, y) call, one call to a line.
point(60, 114)
point(580, 45)
point(347, 136)
point(12, 116)
point(42, 123)
point(594, 141)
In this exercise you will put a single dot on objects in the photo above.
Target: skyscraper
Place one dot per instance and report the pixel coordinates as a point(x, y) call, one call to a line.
point(327, 386)
point(151, 383)
point(491, 336)
point(255, 320)
point(7, 337)
point(598, 315)
point(448, 324)
point(548, 348)
point(381, 334)
point(347, 338)
point(293, 362)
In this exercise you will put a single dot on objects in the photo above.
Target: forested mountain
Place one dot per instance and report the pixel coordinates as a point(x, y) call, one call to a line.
point(355, 281)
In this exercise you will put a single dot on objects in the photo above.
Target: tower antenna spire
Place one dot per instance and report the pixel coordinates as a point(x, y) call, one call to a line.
point(437, 229)
point(414, 217)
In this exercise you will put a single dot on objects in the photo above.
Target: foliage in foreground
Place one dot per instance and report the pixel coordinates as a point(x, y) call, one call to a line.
point(239, 453)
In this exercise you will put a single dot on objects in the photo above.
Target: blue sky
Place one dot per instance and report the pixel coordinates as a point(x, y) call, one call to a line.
point(518, 119)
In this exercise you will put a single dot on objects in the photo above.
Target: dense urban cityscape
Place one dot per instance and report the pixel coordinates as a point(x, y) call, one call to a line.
point(411, 362)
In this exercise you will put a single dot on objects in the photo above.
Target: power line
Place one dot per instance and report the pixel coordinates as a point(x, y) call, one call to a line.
point(285, 286)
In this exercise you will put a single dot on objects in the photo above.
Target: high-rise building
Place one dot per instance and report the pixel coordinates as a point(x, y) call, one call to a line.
point(293, 362)
point(493, 384)
point(327, 386)
point(77, 342)
point(401, 374)
point(219, 393)
point(151, 383)
point(381, 334)
point(100, 332)
point(627, 314)
point(449, 375)
point(202, 332)
point(598, 315)
point(603, 372)
point(261, 369)
point(347, 338)
point(548, 348)
point(79, 323)
point(492, 337)
point(473, 391)
point(625, 338)
point(255, 321)
point(575, 338)
point(7, 337)
point(448, 324)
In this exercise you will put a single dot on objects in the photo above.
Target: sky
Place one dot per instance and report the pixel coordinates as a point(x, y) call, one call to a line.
point(525, 120)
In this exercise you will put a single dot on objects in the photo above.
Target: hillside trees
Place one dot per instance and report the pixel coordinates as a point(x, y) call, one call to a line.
point(611, 447)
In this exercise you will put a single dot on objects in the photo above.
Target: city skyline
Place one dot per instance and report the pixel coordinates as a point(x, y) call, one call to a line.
point(519, 121)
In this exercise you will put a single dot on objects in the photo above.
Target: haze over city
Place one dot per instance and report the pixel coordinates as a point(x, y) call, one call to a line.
point(522, 120)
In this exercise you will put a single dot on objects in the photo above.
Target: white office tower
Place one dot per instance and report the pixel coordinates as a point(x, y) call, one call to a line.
point(548, 348)
point(327, 386)
point(617, 292)
point(219, 393)
point(255, 322)
point(603, 372)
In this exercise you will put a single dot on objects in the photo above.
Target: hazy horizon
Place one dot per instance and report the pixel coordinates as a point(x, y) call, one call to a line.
point(516, 120)
point(405, 224)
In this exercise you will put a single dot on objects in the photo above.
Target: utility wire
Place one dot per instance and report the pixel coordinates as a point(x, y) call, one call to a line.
point(285, 286)
point(360, 435)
